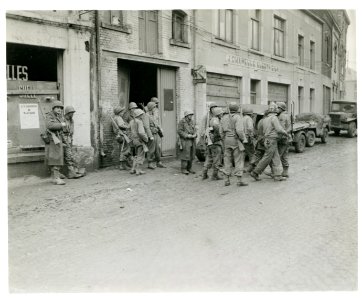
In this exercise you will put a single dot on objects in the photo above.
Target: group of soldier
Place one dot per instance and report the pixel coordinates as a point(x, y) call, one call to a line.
point(229, 136)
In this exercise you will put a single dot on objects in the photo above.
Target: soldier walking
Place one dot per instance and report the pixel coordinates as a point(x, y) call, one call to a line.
point(54, 152)
point(249, 134)
point(154, 148)
point(234, 138)
point(213, 141)
point(122, 131)
point(283, 143)
point(139, 140)
point(187, 133)
point(73, 169)
point(271, 130)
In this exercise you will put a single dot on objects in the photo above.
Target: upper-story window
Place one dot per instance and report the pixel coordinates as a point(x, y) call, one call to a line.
point(335, 56)
point(300, 50)
point(255, 30)
point(148, 31)
point(312, 55)
point(179, 27)
point(225, 24)
point(113, 17)
point(279, 36)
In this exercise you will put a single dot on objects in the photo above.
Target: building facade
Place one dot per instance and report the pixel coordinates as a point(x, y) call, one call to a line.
point(97, 60)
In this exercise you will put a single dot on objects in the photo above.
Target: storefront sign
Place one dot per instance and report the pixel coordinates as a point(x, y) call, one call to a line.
point(250, 63)
point(29, 115)
point(16, 72)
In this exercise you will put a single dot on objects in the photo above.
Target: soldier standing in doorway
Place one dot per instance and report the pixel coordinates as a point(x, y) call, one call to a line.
point(234, 138)
point(187, 133)
point(213, 141)
point(271, 131)
point(139, 140)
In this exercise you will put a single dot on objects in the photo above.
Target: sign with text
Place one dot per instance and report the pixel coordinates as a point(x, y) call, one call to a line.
point(250, 63)
point(29, 115)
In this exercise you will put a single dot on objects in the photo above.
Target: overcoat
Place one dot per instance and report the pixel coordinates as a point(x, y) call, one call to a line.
point(188, 144)
point(54, 154)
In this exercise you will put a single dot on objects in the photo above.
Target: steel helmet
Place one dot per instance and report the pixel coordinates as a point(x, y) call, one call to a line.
point(188, 112)
point(151, 105)
point(69, 109)
point(218, 111)
point(57, 103)
point(118, 109)
point(248, 111)
point(137, 112)
point(282, 105)
point(233, 107)
point(132, 105)
point(212, 104)
point(155, 100)
point(273, 108)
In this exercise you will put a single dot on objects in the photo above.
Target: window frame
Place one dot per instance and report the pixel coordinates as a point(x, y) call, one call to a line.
point(222, 33)
point(179, 14)
point(255, 20)
point(300, 50)
point(312, 55)
point(280, 31)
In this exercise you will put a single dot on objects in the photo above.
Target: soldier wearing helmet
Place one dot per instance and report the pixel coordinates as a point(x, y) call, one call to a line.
point(72, 165)
point(249, 133)
point(156, 110)
point(214, 145)
point(139, 140)
point(121, 130)
point(54, 152)
point(234, 138)
point(154, 146)
point(187, 132)
point(271, 131)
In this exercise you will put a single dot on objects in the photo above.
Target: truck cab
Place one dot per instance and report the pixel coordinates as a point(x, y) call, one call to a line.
point(343, 116)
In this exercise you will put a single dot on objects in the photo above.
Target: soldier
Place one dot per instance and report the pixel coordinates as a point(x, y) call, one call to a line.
point(122, 131)
point(204, 120)
point(283, 143)
point(73, 170)
point(187, 133)
point(271, 130)
point(234, 138)
point(139, 140)
point(156, 111)
point(154, 148)
point(249, 133)
point(214, 146)
point(54, 152)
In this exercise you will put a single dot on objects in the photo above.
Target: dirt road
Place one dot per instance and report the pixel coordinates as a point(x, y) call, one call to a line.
point(112, 232)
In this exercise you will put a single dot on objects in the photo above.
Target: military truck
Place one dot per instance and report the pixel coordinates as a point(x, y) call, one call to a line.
point(344, 117)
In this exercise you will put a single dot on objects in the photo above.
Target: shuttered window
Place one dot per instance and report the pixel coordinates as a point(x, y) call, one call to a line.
point(148, 35)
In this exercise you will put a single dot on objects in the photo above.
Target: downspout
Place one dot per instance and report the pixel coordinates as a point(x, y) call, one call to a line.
point(100, 112)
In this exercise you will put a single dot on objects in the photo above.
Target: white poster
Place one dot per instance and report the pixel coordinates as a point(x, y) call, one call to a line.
point(29, 116)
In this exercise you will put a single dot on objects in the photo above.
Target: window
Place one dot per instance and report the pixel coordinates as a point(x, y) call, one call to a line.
point(300, 50)
point(113, 17)
point(279, 36)
point(148, 31)
point(311, 99)
point(335, 56)
point(328, 48)
point(300, 98)
point(255, 30)
point(254, 91)
point(312, 55)
point(225, 25)
point(179, 28)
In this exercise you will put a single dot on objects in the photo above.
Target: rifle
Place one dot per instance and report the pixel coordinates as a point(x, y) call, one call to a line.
point(115, 126)
point(292, 118)
point(207, 131)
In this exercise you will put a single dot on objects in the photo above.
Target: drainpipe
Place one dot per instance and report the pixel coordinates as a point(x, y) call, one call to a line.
point(100, 112)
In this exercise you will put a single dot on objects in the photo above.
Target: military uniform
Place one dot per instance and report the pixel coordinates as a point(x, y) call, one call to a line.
point(139, 140)
point(187, 133)
point(234, 137)
point(249, 133)
point(283, 142)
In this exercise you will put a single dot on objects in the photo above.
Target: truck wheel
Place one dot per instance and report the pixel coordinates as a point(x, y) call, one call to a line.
point(336, 131)
point(300, 142)
point(324, 137)
point(352, 129)
point(310, 139)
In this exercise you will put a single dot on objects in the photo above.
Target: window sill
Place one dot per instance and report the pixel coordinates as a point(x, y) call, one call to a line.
point(179, 44)
point(281, 59)
point(122, 28)
point(306, 69)
point(217, 41)
point(257, 52)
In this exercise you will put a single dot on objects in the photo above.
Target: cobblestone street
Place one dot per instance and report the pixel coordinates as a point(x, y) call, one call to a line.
point(164, 231)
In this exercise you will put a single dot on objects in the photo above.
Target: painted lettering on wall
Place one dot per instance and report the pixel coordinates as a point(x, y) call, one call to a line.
point(250, 63)
point(14, 72)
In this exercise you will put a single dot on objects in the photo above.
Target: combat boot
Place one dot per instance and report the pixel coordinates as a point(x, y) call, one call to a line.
point(241, 182)
point(279, 178)
point(183, 167)
point(204, 174)
point(285, 172)
point(255, 175)
point(152, 166)
point(62, 176)
point(133, 170)
point(72, 174)
point(123, 166)
point(189, 167)
point(215, 175)
point(81, 171)
point(139, 171)
point(250, 168)
point(160, 165)
point(227, 180)
point(56, 177)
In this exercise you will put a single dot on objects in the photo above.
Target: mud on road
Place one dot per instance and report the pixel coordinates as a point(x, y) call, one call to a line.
point(164, 231)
